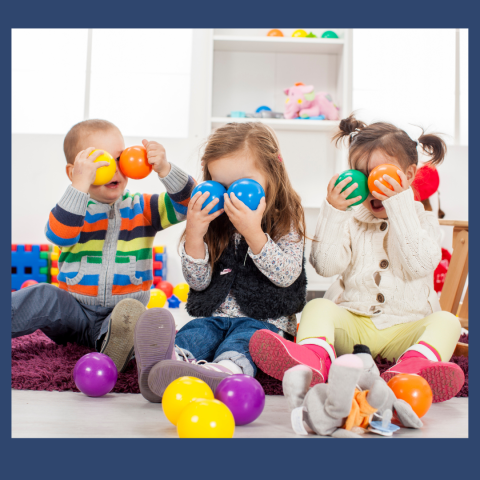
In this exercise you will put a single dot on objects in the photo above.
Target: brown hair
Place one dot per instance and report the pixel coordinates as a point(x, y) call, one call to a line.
point(283, 211)
point(76, 135)
point(364, 139)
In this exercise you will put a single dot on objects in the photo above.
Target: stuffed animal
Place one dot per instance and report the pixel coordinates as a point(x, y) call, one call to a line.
point(346, 406)
point(302, 101)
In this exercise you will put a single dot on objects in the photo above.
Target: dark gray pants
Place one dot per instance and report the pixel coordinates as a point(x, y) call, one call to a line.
point(58, 315)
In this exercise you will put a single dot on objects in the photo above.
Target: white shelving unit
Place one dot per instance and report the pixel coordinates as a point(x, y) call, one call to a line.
point(250, 69)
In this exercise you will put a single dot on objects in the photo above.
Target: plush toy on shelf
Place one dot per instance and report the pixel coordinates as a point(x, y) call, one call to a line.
point(303, 102)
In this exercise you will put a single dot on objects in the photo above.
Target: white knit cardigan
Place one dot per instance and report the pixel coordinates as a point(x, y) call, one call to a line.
point(386, 265)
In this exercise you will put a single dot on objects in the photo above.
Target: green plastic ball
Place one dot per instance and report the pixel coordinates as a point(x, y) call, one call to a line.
point(360, 179)
point(329, 34)
point(311, 35)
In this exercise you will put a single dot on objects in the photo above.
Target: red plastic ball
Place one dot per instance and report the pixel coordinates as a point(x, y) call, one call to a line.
point(28, 283)
point(166, 287)
point(377, 174)
point(415, 390)
point(134, 163)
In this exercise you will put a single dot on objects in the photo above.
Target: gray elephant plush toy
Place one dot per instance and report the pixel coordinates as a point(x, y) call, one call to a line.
point(346, 406)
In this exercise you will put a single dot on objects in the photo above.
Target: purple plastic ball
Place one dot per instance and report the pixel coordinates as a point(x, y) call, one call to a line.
point(243, 395)
point(95, 374)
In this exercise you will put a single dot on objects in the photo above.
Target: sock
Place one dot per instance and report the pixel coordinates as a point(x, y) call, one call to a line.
point(233, 367)
point(423, 350)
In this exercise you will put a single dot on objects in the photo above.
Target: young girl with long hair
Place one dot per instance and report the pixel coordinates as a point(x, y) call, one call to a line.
point(385, 251)
point(245, 268)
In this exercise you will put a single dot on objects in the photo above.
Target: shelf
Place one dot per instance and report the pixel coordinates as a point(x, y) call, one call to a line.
point(283, 124)
point(230, 43)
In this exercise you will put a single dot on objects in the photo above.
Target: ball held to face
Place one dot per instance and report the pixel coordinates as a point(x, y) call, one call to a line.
point(359, 178)
point(105, 174)
point(215, 189)
point(249, 191)
point(134, 162)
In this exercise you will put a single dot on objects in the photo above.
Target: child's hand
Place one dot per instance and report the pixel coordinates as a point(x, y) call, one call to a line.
point(247, 222)
point(157, 157)
point(198, 221)
point(338, 199)
point(85, 169)
point(397, 188)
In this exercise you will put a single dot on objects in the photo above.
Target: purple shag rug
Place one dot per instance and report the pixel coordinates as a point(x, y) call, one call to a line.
point(40, 364)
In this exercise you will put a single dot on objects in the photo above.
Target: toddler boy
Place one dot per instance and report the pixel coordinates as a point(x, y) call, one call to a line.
point(105, 235)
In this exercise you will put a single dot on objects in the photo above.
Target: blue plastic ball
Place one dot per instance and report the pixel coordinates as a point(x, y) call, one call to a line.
point(248, 191)
point(216, 191)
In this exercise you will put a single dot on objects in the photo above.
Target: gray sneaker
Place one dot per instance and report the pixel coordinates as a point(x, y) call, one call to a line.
point(154, 342)
point(118, 342)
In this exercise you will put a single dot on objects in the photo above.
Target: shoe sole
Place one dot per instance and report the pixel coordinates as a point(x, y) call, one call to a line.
point(261, 349)
point(120, 335)
point(444, 380)
point(154, 342)
point(164, 373)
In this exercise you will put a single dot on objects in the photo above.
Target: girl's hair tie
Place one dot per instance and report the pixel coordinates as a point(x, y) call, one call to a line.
point(280, 159)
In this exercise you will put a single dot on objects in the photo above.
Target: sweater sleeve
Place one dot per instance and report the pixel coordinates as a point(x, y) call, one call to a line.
point(197, 272)
point(170, 208)
point(416, 234)
point(66, 219)
point(280, 262)
point(331, 251)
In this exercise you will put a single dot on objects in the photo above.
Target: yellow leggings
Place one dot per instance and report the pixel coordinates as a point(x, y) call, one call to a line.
point(343, 329)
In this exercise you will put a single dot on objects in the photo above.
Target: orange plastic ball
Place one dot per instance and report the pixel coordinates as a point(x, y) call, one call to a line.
point(377, 174)
point(414, 389)
point(134, 163)
point(275, 33)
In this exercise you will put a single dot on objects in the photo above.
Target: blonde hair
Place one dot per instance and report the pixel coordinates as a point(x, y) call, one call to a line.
point(73, 142)
point(283, 211)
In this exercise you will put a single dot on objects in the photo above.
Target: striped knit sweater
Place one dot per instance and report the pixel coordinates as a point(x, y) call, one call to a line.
point(106, 250)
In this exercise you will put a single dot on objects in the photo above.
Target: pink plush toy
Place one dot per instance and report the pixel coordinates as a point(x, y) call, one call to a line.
point(303, 102)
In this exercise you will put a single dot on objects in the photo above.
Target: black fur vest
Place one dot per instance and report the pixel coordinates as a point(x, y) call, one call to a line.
point(255, 294)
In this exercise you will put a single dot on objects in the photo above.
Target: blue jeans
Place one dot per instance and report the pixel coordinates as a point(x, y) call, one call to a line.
point(222, 338)
point(58, 315)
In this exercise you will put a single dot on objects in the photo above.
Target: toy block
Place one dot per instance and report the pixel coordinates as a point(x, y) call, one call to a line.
point(44, 255)
point(56, 249)
point(54, 279)
point(44, 247)
point(54, 257)
point(159, 249)
point(44, 270)
point(54, 271)
point(14, 248)
point(54, 263)
point(56, 284)
point(157, 280)
point(160, 257)
point(157, 265)
point(27, 265)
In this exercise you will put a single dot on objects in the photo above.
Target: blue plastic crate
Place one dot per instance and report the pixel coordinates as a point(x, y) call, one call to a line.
point(26, 266)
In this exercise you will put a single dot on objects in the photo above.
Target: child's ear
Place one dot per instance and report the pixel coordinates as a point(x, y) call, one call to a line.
point(411, 172)
point(69, 171)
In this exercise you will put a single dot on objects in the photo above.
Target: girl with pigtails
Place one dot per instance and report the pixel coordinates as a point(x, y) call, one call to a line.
point(384, 251)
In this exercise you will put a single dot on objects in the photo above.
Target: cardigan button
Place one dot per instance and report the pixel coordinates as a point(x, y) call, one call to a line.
point(384, 264)
point(377, 311)
point(380, 298)
point(383, 226)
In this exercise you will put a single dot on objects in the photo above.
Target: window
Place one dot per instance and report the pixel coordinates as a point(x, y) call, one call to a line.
point(138, 79)
point(407, 77)
point(48, 79)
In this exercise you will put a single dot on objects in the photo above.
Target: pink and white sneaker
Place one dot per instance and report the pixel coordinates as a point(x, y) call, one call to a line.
point(275, 355)
point(445, 378)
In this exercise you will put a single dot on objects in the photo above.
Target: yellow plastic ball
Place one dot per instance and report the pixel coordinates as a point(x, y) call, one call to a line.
point(180, 393)
point(299, 33)
point(157, 298)
point(181, 291)
point(206, 419)
point(105, 174)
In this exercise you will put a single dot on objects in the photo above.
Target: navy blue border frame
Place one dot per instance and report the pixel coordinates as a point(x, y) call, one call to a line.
point(248, 458)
